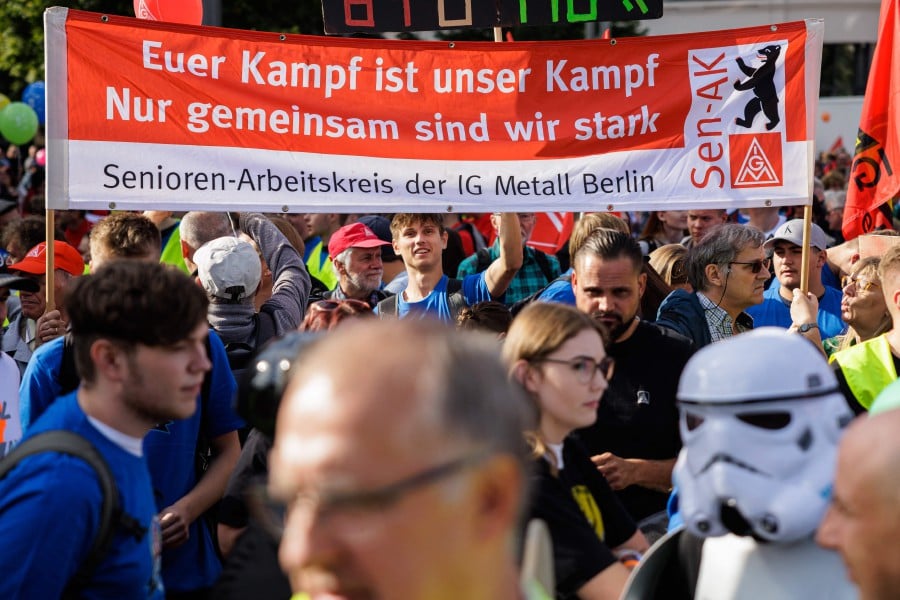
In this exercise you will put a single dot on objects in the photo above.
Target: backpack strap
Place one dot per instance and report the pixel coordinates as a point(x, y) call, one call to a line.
point(68, 378)
point(388, 308)
point(544, 264)
point(484, 260)
point(111, 514)
point(265, 326)
point(456, 299)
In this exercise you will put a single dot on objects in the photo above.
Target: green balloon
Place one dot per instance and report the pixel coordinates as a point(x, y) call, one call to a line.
point(18, 123)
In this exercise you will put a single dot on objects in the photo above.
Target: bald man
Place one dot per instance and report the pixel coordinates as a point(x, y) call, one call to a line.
point(863, 521)
point(403, 479)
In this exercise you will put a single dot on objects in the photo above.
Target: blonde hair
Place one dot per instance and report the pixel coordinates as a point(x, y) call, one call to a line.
point(870, 266)
point(536, 332)
point(670, 261)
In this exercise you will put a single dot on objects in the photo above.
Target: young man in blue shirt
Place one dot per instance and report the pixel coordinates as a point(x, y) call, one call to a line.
point(142, 362)
point(420, 239)
point(190, 561)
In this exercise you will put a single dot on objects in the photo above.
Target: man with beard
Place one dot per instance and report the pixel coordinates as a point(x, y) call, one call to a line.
point(635, 440)
point(142, 360)
point(355, 252)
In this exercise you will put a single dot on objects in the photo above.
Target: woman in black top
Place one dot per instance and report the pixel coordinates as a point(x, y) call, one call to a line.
point(557, 353)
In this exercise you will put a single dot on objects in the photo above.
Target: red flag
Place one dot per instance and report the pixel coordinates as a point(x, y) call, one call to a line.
point(551, 231)
point(874, 180)
point(837, 145)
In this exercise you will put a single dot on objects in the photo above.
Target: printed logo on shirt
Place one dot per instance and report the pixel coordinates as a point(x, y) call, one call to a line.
point(588, 506)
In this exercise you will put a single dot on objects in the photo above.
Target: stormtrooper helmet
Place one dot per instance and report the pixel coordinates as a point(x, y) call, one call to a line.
point(760, 416)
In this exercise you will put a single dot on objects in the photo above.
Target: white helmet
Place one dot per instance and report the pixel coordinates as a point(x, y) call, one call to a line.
point(761, 417)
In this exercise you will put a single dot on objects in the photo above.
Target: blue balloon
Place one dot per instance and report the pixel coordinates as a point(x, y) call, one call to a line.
point(33, 96)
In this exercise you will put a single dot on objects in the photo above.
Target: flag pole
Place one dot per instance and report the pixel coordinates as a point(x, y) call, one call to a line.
point(50, 256)
point(804, 257)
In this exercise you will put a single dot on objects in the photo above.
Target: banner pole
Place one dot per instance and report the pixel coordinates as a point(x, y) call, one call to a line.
point(49, 274)
point(804, 257)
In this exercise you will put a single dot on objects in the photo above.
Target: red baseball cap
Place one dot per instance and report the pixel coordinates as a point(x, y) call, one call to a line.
point(66, 257)
point(354, 235)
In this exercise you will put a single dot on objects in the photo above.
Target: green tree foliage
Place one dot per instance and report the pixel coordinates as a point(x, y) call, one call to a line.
point(22, 29)
point(22, 37)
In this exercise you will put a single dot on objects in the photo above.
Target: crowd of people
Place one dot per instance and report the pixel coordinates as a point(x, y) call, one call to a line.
point(439, 384)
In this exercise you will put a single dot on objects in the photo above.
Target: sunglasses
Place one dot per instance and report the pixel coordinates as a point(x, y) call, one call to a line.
point(862, 285)
point(755, 266)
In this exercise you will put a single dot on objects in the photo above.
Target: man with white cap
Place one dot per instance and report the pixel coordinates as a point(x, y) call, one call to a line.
point(786, 246)
point(229, 269)
point(355, 252)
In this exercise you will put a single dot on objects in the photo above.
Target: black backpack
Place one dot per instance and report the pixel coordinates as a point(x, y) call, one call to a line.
point(389, 308)
point(112, 517)
point(240, 354)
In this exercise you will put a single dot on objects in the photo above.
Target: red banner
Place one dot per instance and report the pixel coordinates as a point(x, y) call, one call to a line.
point(874, 181)
point(146, 113)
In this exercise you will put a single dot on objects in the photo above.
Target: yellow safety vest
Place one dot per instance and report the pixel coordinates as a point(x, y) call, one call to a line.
point(319, 266)
point(868, 368)
point(171, 254)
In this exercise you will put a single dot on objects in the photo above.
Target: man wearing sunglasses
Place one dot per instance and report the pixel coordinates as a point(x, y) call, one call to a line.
point(400, 483)
point(634, 440)
point(787, 250)
point(728, 270)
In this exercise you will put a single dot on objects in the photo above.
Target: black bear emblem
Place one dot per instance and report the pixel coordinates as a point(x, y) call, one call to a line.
point(762, 82)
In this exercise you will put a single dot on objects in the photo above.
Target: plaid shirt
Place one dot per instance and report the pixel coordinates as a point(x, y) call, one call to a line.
point(720, 323)
point(527, 281)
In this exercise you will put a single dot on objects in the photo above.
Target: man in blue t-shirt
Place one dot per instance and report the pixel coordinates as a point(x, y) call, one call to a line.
point(142, 361)
point(786, 246)
point(190, 561)
point(420, 239)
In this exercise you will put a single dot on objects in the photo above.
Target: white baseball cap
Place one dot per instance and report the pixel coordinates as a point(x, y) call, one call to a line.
point(229, 268)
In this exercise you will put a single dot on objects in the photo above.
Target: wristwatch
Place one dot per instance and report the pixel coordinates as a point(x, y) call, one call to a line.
point(807, 326)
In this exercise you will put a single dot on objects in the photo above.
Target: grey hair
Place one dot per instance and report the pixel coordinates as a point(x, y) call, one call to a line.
point(342, 258)
point(720, 246)
point(199, 227)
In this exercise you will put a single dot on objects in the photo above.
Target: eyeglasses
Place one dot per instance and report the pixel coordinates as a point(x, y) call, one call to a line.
point(755, 266)
point(861, 284)
point(357, 510)
point(586, 367)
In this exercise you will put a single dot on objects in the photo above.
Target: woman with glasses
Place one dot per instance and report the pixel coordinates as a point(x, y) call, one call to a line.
point(557, 354)
point(862, 308)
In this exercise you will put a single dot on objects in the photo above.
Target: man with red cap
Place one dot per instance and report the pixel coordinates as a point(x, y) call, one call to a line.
point(355, 252)
point(36, 325)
